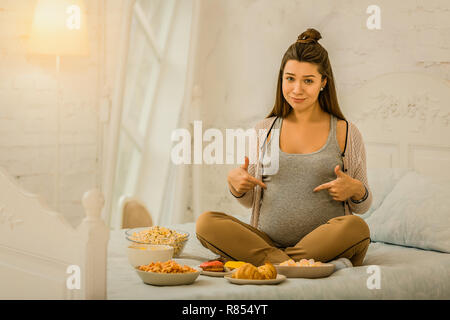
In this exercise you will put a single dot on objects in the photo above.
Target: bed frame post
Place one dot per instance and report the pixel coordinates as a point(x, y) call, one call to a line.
point(96, 235)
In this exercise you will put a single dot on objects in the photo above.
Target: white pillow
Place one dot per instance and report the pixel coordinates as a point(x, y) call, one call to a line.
point(381, 182)
point(415, 214)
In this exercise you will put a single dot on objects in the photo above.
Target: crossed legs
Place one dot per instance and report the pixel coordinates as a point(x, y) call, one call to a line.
point(344, 236)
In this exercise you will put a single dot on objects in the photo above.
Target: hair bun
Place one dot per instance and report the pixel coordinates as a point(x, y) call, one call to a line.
point(309, 36)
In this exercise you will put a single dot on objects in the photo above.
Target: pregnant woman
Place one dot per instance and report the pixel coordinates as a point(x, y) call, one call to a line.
point(306, 209)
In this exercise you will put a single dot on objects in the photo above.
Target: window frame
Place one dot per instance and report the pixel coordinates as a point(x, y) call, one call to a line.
point(120, 123)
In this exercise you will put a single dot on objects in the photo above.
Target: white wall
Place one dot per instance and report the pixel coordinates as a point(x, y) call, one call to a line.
point(28, 97)
point(241, 44)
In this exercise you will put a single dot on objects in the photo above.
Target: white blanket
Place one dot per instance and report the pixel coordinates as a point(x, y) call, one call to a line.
point(405, 273)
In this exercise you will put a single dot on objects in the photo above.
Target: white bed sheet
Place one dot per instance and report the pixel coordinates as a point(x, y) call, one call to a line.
point(406, 273)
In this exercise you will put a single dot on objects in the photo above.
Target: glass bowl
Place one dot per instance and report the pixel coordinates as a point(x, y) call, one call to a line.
point(159, 235)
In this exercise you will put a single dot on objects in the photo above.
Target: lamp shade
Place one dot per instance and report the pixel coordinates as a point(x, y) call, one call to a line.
point(59, 28)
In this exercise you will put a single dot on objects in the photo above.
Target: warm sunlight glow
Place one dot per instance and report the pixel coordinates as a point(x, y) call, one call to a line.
point(59, 28)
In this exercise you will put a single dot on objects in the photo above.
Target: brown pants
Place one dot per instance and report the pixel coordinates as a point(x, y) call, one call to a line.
point(345, 236)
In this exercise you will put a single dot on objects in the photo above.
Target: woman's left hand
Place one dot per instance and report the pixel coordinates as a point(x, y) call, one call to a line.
point(340, 189)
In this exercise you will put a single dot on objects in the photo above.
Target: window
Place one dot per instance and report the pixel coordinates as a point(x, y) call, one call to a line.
point(150, 26)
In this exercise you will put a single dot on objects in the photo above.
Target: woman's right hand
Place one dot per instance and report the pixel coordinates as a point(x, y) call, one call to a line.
point(241, 181)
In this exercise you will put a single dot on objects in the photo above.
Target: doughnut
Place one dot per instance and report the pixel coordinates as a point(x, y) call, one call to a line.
point(214, 266)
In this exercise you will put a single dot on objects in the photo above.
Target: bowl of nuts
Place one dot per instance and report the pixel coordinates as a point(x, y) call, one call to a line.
point(157, 235)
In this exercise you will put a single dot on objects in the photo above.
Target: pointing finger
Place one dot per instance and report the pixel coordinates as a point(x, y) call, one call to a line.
point(256, 181)
point(322, 187)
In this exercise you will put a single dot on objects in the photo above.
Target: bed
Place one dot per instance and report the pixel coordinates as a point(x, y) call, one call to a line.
point(41, 255)
point(406, 273)
point(405, 122)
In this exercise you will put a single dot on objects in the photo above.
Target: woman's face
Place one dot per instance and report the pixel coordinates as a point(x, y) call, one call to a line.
point(301, 84)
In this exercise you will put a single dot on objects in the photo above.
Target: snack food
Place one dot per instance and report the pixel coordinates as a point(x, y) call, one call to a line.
point(249, 271)
point(301, 263)
point(268, 271)
point(231, 265)
point(160, 235)
point(166, 267)
point(155, 248)
point(214, 266)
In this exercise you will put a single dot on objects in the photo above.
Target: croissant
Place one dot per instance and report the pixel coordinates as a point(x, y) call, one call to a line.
point(268, 271)
point(248, 271)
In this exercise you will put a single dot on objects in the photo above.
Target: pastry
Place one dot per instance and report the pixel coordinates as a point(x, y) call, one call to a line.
point(247, 271)
point(288, 263)
point(214, 266)
point(268, 271)
point(301, 263)
point(231, 265)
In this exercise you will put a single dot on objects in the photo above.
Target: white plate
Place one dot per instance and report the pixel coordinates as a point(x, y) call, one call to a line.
point(168, 279)
point(215, 273)
point(279, 278)
point(321, 271)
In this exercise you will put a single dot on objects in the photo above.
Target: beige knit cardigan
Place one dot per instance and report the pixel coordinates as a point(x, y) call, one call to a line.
point(354, 160)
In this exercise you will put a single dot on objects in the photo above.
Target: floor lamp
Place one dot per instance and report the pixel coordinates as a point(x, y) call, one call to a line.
point(59, 29)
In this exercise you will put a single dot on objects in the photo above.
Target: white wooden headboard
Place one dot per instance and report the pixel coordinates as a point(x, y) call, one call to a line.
point(405, 122)
point(37, 246)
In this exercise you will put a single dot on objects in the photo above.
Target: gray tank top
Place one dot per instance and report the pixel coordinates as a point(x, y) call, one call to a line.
point(289, 208)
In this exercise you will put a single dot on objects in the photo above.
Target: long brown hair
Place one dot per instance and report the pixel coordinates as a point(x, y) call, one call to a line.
point(308, 49)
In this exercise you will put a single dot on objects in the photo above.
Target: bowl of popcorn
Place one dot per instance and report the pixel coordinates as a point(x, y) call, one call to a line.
point(168, 273)
point(158, 235)
point(141, 254)
point(304, 268)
